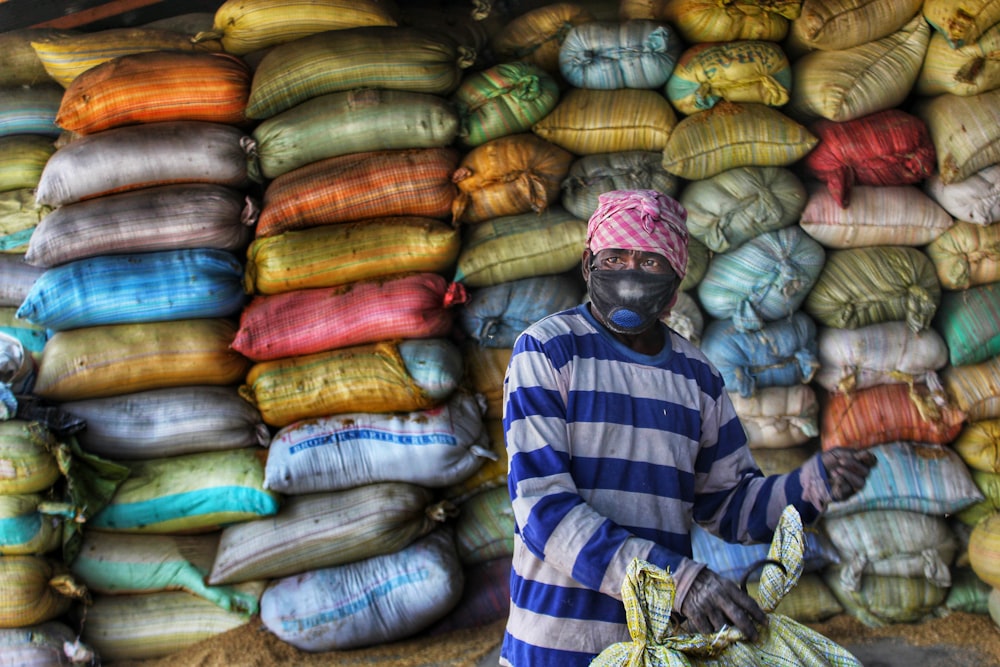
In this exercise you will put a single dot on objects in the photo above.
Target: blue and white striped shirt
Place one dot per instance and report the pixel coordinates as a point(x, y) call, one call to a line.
point(613, 454)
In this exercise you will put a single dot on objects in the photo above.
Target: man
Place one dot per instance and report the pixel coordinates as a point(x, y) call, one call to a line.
point(620, 434)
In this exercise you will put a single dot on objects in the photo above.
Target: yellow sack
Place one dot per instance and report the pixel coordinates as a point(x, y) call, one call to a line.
point(648, 596)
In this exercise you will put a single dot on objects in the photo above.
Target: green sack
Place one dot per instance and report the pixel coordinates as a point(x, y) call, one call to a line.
point(648, 596)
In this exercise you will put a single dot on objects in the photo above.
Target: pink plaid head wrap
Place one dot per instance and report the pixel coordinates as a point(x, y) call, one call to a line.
point(643, 220)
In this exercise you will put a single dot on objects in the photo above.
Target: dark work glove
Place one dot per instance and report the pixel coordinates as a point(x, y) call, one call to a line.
point(714, 601)
point(846, 470)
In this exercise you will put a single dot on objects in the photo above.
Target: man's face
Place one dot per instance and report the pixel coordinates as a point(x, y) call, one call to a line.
point(616, 259)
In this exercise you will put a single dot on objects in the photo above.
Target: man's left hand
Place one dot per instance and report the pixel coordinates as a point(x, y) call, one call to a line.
point(847, 470)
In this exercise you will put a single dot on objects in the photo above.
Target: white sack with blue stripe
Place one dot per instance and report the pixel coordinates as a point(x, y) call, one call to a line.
point(138, 288)
point(765, 279)
point(436, 447)
point(368, 602)
point(781, 354)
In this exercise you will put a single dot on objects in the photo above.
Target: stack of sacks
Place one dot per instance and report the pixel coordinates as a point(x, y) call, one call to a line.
point(142, 284)
point(29, 101)
point(958, 99)
point(37, 588)
point(350, 325)
point(874, 302)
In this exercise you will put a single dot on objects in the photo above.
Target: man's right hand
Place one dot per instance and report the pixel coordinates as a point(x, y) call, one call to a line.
point(714, 601)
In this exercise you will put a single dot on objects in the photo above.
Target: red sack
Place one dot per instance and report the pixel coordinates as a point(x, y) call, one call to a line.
point(316, 320)
point(888, 147)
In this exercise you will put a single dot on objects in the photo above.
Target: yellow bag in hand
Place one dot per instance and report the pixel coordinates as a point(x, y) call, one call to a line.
point(648, 596)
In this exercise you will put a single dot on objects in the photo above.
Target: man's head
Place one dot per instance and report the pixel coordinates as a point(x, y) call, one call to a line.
point(641, 220)
point(635, 259)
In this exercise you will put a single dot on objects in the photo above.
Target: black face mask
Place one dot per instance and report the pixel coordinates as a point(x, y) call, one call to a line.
point(631, 301)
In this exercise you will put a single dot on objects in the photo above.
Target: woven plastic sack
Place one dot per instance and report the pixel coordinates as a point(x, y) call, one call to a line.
point(648, 596)
point(778, 417)
point(244, 26)
point(974, 388)
point(141, 156)
point(35, 589)
point(66, 55)
point(157, 86)
point(611, 55)
point(966, 255)
point(536, 36)
point(710, 21)
point(190, 493)
point(167, 217)
point(30, 111)
point(484, 528)
point(167, 422)
point(509, 175)
point(119, 563)
point(740, 71)
point(875, 215)
point(491, 474)
point(885, 599)
point(353, 121)
point(988, 484)
point(588, 121)
point(21, 64)
point(436, 447)
point(894, 543)
point(337, 608)
point(984, 544)
point(969, 321)
point(22, 160)
point(359, 186)
point(27, 456)
point(30, 525)
point(591, 175)
point(961, 24)
point(19, 218)
point(49, 643)
point(507, 98)
point(520, 246)
point(317, 257)
point(847, 84)
point(913, 476)
point(685, 318)
point(147, 626)
point(399, 58)
point(886, 413)
point(135, 288)
point(891, 147)
point(979, 445)
point(881, 353)
point(305, 321)
point(974, 199)
point(811, 601)
point(17, 277)
point(389, 376)
point(734, 206)
point(484, 372)
point(969, 70)
point(842, 24)
point(735, 134)
point(316, 530)
point(495, 316)
point(965, 132)
point(115, 359)
point(862, 286)
point(781, 353)
point(485, 598)
point(743, 562)
point(765, 279)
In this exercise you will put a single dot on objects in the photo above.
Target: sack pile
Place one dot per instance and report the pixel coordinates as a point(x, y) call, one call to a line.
point(277, 265)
